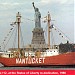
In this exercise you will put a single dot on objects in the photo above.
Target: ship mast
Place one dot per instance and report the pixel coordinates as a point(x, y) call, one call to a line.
point(18, 21)
point(49, 19)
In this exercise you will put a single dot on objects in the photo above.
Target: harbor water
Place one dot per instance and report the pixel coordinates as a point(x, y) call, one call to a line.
point(70, 67)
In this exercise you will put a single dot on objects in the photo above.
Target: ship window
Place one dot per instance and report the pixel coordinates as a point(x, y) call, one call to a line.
point(56, 47)
point(9, 55)
point(41, 33)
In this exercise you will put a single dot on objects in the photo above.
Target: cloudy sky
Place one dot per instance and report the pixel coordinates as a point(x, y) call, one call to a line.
point(62, 11)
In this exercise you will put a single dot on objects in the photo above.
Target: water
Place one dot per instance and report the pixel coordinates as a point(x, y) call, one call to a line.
point(70, 67)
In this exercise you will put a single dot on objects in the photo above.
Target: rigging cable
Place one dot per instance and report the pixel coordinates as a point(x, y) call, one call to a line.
point(45, 32)
point(63, 34)
point(22, 37)
point(9, 38)
point(15, 38)
point(3, 44)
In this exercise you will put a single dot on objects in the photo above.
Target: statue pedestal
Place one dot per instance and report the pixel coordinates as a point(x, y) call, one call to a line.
point(38, 36)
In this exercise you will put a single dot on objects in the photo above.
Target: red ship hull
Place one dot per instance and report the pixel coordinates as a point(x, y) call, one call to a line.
point(61, 59)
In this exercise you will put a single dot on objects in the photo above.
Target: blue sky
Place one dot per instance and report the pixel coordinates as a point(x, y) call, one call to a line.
point(62, 11)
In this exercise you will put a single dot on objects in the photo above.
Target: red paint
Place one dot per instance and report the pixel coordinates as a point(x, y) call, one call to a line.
point(61, 59)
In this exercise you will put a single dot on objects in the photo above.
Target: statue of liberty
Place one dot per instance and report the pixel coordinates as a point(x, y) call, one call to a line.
point(37, 17)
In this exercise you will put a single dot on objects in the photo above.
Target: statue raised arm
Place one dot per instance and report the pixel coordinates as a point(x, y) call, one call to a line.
point(33, 5)
point(37, 17)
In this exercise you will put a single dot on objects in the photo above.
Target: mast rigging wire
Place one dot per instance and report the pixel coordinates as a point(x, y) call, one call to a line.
point(9, 38)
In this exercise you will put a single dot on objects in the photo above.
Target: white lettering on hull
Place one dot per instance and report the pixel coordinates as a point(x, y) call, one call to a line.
point(29, 60)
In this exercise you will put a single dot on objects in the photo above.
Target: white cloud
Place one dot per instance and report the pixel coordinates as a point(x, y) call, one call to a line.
point(57, 8)
point(10, 4)
point(57, 1)
point(45, 1)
